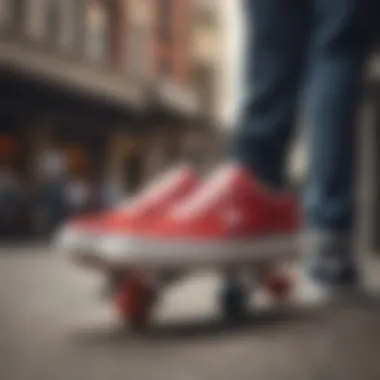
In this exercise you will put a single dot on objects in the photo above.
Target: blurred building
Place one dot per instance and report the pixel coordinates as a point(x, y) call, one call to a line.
point(64, 75)
point(199, 68)
point(111, 92)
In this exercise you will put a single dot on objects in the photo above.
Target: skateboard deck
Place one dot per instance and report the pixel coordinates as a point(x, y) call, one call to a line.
point(143, 275)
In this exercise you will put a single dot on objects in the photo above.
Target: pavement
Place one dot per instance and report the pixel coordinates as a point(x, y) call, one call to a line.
point(53, 325)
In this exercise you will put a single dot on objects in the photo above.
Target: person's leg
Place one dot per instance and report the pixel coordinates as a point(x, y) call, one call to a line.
point(340, 46)
point(278, 35)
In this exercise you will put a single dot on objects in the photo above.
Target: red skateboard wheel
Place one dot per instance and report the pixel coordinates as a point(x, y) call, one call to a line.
point(279, 285)
point(133, 301)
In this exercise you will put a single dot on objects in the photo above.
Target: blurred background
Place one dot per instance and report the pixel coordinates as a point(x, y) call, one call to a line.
point(97, 96)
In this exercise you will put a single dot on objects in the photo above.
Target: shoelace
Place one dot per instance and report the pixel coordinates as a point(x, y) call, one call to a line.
point(207, 196)
point(155, 190)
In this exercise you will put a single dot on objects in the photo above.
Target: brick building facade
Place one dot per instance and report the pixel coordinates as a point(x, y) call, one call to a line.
point(121, 87)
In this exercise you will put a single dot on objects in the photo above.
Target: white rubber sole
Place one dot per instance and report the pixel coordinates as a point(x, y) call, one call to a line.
point(91, 248)
point(74, 241)
point(156, 253)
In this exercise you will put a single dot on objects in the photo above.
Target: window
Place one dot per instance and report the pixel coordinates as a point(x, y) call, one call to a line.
point(69, 35)
point(4, 11)
point(79, 26)
point(97, 44)
point(137, 50)
point(165, 11)
point(53, 20)
point(18, 13)
point(97, 33)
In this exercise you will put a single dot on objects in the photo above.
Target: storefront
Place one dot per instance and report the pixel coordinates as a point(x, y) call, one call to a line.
point(14, 199)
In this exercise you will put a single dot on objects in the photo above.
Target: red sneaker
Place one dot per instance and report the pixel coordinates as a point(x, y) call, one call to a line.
point(230, 217)
point(82, 234)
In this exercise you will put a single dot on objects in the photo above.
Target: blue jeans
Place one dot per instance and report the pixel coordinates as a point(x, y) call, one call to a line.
point(316, 50)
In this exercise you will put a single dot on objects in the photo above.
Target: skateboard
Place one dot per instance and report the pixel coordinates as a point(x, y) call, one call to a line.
point(139, 285)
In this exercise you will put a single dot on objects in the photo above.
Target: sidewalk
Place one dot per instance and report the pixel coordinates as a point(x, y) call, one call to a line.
point(53, 325)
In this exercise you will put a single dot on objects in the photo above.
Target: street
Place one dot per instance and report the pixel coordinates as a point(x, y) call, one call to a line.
point(55, 325)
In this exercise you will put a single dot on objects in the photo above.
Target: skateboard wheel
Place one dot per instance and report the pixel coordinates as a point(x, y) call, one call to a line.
point(279, 285)
point(134, 300)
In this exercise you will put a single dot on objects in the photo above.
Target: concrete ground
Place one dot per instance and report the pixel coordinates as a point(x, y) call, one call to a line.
point(53, 325)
